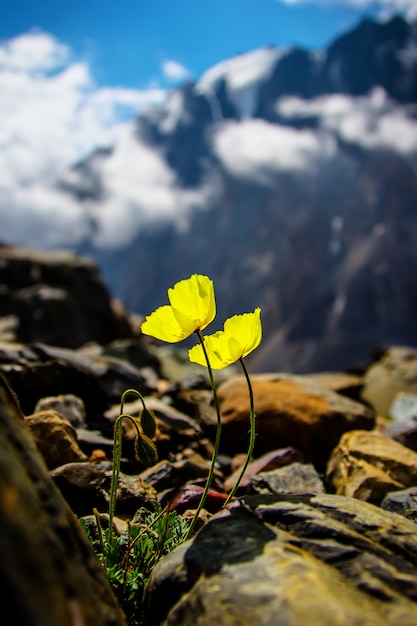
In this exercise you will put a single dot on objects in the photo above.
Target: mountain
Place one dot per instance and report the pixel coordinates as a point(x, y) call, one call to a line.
point(287, 176)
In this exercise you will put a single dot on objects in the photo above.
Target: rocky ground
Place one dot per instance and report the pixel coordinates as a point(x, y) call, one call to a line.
point(324, 526)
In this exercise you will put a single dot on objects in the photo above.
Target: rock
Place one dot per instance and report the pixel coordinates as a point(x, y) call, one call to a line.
point(174, 429)
point(403, 410)
point(189, 496)
point(346, 384)
point(70, 407)
point(58, 298)
point(403, 502)
point(49, 572)
point(86, 486)
point(402, 422)
point(368, 464)
point(38, 371)
point(169, 478)
point(294, 478)
point(407, 437)
point(92, 441)
point(134, 351)
point(290, 411)
point(56, 438)
point(290, 561)
point(395, 371)
point(265, 463)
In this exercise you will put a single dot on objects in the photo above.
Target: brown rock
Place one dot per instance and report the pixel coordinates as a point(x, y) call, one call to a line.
point(291, 411)
point(49, 572)
point(55, 438)
point(368, 465)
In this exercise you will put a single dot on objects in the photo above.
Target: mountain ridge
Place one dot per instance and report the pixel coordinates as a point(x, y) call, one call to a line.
point(306, 207)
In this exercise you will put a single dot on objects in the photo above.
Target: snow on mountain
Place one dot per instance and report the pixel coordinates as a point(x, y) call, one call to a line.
point(243, 76)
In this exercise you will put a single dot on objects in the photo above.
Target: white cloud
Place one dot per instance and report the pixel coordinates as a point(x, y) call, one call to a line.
point(34, 52)
point(384, 7)
point(51, 115)
point(256, 149)
point(174, 71)
point(370, 121)
point(140, 188)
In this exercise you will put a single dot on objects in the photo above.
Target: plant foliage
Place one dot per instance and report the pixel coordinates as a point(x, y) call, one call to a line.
point(130, 556)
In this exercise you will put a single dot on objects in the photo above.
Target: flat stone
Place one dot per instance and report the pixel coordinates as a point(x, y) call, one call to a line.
point(294, 478)
point(267, 462)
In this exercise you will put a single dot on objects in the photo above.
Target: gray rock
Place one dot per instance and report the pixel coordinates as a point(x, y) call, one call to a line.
point(58, 298)
point(69, 406)
point(403, 502)
point(86, 486)
point(294, 478)
point(290, 561)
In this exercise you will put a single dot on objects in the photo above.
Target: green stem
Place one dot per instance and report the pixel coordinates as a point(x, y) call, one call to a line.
point(117, 456)
point(217, 440)
point(125, 393)
point(252, 434)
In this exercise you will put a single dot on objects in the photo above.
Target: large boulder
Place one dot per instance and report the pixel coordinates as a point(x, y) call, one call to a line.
point(290, 561)
point(290, 411)
point(58, 298)
point(49, 573)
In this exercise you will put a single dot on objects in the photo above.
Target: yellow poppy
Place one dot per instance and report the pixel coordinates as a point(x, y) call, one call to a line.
point(241, 335)
point(192, 307)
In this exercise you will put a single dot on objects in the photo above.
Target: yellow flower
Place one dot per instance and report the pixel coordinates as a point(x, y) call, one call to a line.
point(192, 307)
point(241, 335)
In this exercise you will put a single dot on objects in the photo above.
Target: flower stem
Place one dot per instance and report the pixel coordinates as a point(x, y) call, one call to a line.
point(252, 434)
point(117, 456)
point(217, 440)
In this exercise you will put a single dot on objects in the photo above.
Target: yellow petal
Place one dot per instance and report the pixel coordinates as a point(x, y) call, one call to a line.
point(217, 351)
point(246, 329)
point(162, 324)
point(193, 299)
point(241, 335)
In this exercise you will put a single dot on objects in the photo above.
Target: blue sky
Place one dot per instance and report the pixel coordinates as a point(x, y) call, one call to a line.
point(140, 43)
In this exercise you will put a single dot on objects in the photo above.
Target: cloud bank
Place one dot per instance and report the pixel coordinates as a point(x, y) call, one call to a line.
point(258, 150)
point(370, 121)
point(52, 115)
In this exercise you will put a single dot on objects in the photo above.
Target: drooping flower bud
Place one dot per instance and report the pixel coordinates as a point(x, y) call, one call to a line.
point(145, 450)
point(148, 422)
